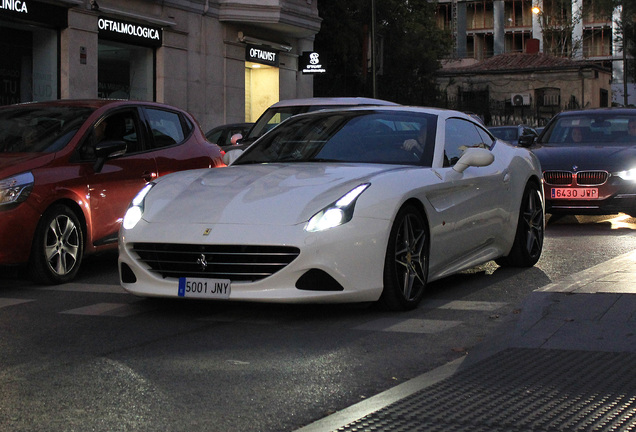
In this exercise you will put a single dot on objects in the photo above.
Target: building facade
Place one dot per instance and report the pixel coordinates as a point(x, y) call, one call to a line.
point(223, 61)
point(563, 28)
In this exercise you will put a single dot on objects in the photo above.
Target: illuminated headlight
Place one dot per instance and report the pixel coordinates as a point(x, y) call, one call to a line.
point(337, 213)
point(629, 175)
point(136, 210)
point(16, 189)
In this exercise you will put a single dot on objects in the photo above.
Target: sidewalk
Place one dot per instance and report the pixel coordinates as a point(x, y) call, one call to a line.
point(566, 362)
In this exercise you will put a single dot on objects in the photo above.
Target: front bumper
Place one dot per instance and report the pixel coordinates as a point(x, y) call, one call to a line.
point(614, 196)
point(17, 227)
point(352, 255)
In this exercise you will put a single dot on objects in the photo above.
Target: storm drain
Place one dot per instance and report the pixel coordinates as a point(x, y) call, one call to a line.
point(521, 390)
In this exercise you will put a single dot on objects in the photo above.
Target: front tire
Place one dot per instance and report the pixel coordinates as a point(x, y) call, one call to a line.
point(58, 247)
point(406, 262)
point(528, 243)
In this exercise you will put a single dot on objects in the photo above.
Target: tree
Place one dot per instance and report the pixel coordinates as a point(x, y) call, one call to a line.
point(410, 47)
point(557, 22)
point(626, 24)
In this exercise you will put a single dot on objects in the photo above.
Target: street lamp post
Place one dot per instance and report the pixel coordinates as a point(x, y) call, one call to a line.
point(373, 68)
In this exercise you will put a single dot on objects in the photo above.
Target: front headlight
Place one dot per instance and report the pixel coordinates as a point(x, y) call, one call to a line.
point(16, 189)
point(136, 210)
point(336, 213)
point(629, 175)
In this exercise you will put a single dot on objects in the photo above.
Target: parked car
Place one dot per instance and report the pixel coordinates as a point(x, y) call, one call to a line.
point(222, 135)
point(588, 159)
point(281, 111)
point(69, 169)
point(353, 205)
point(513, 133)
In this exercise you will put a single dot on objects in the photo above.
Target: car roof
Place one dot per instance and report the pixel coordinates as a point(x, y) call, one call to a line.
point(608, 110)
point(443, 112)
point(332, 101)
point(91, 103)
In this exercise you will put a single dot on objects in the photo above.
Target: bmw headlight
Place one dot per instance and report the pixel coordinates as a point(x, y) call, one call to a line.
point(628, 175)
point(16, 189)
point(136, 210)
point(336, 213)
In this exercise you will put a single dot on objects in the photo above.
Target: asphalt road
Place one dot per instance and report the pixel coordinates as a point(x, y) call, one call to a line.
point(86, 356)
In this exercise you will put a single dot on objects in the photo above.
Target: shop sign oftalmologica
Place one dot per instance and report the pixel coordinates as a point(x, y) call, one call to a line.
point(129, 32)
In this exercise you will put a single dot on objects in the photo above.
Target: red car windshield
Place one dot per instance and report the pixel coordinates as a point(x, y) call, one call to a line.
point(39, 129)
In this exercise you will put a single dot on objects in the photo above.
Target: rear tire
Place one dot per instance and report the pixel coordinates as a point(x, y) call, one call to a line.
point(58, 247)
point(528, 243)
point(406, 262)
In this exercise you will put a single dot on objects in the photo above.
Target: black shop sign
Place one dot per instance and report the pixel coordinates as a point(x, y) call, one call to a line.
point(262, 55)
point(129, 32)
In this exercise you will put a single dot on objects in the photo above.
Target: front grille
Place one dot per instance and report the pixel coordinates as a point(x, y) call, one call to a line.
point(592, 178)
point(558, 177)
point(233, 262)
point(583, 178)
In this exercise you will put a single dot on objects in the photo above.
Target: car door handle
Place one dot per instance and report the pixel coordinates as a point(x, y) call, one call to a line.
point(149, 176)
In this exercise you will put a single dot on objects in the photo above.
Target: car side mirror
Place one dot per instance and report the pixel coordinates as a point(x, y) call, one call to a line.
point(231, 155)
point(106, 150)
point(236, 138)
point(477, 157)
point(526, 140)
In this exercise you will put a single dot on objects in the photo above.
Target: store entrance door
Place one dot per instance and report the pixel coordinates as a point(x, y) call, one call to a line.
point(261, 89)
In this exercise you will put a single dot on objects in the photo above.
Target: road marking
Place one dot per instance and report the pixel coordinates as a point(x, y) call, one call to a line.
point(89, 288)
point(5, 302)
point(463, 305)
point(110, 309)
point(412, 325)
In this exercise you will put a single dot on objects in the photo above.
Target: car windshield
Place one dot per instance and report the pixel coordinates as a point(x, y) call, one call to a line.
point(349, 136)
point(273, 117)
point(507, 133)
point(592, 129)
point(37, 129)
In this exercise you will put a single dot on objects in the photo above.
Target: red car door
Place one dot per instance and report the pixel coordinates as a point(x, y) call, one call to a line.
point(111, 188)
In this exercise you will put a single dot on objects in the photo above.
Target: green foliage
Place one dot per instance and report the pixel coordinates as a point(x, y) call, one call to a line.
point(626, 24)
point(412, 47)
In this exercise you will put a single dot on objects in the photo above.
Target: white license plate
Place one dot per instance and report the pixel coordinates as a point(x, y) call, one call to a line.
point(574, 193)
point(204, 288)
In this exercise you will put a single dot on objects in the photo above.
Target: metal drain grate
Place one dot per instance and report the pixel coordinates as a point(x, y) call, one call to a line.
point(527, 390)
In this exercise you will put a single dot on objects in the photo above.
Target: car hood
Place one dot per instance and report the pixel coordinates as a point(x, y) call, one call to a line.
point(267, 194)
point(16, 163)
point(609, 158)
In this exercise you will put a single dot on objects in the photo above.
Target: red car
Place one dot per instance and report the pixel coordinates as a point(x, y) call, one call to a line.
point(69, 169)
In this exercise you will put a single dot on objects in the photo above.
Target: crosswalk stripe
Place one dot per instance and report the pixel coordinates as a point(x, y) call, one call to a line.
point(89, 288)
point(5, 302)
point(110, 309)
point(411, 325)
point(463, 305)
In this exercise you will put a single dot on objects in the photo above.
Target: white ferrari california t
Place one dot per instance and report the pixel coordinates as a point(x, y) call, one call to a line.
point(349, 205)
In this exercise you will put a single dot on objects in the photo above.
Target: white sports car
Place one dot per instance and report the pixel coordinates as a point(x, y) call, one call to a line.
point(349, 205)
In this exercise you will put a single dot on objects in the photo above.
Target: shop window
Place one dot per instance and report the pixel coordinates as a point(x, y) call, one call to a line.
point(125, 71)
point(28, 64)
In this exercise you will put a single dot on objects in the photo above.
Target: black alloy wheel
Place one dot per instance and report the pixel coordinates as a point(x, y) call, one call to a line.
point(528, 243)
point(406, 262)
